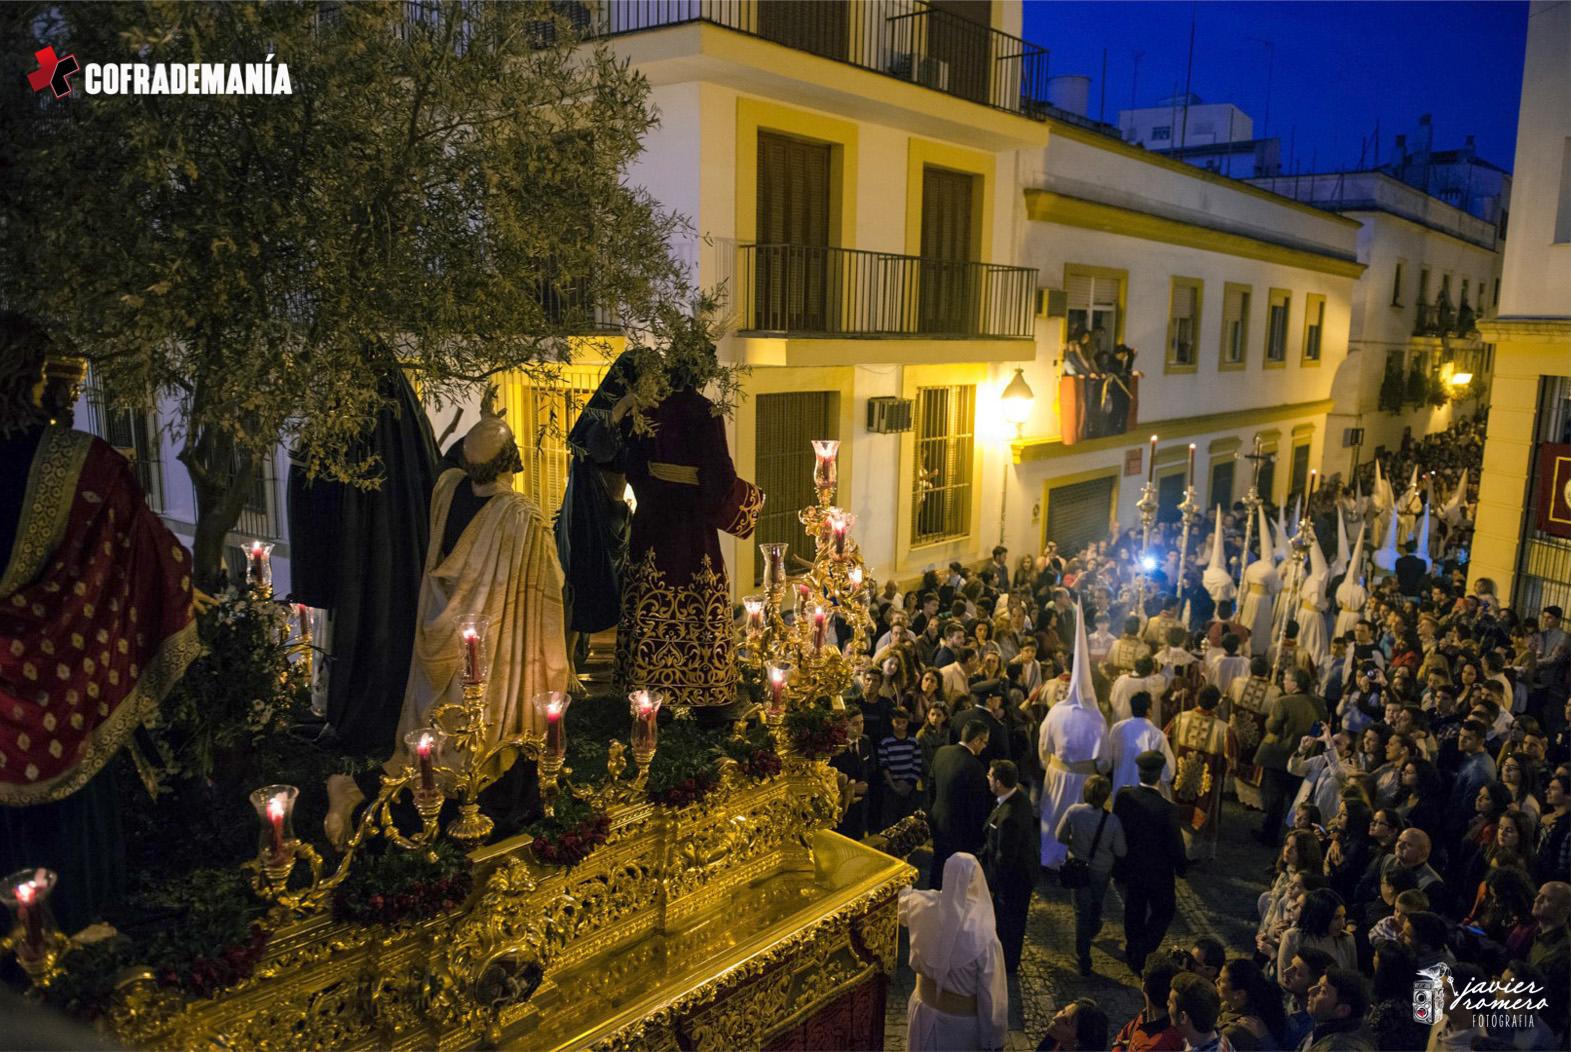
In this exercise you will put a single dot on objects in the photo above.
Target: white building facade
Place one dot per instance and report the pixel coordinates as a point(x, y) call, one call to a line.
point(1433, 274)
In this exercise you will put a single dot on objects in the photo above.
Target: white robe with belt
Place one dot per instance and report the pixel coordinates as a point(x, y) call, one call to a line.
point(954, 943)
point(504, 566)
point(1072, 745)
point(1261, 584)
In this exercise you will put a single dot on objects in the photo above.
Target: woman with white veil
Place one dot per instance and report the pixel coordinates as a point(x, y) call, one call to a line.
point(961, 1000)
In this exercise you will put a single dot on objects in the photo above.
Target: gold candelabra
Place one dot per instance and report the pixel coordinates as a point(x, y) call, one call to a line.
point(794, 659)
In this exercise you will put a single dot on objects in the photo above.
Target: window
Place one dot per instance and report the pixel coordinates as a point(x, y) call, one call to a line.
point(1445, 288)
point(794, 205)
point(1183, 323)
point(259, 516)
point(1396, 284)
point(1299, 477)
point(1235, 326)
point(787, 425)
point(1162, 133)
point(945, 440)
point(1464, 292)
point(1276, 327)
point(1267, 477)
point(135, 434)
point(1169, 495)
point(1314, 325)
point(1095, 299)
point(1423, 286)
point(541, 415)
point(1495, 300)
point(1222, 483)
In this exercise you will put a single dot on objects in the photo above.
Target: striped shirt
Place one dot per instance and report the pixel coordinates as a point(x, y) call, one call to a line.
point(901, 757)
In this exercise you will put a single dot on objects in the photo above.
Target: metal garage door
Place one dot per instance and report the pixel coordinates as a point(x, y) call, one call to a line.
point(1078, 513)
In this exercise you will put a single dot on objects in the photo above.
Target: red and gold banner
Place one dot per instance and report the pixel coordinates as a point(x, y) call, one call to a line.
point(1554, 488)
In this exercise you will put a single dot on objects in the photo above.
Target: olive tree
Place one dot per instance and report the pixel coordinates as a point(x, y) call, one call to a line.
point(443, 190)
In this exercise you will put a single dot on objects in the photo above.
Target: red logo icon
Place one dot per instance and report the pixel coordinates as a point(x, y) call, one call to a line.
point(52, 72)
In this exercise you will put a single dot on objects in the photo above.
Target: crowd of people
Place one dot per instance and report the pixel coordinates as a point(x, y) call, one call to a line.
point(1079, 717)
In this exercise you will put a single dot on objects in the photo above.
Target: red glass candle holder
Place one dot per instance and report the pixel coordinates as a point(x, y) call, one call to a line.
point(26, 894)
point(275, 809)
point(826, 453)
point(472, 633)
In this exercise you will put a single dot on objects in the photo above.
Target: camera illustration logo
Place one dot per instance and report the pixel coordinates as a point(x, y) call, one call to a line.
point(1429, 992)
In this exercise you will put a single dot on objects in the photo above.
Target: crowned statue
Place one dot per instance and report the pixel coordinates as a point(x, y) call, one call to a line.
point(676, 631)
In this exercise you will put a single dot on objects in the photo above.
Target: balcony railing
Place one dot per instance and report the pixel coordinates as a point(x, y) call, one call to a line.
point(904, 39)
point(819, 291)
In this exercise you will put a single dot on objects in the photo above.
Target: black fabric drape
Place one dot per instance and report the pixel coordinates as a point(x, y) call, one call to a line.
point(360, 553)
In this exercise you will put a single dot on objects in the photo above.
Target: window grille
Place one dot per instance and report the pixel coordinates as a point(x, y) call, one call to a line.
point(945, 441)
point(134, 433)
point(783, 453)
point(259, 516)
point(541, 415)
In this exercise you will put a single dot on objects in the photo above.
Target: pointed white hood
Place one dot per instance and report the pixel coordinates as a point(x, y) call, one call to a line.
point(1339, 564)
point(1267, 548)
point(1217, 581)
point(1291, 529)
point(1350, 593)
point(1386, 557)
point(1455, 509)
point(1281, 532)
point(1082, 692)
point(1381, 493)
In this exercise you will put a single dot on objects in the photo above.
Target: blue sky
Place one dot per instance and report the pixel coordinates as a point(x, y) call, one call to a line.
point(1337, 67)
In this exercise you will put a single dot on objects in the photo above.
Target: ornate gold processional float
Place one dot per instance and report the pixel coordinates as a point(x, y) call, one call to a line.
point(737, 921)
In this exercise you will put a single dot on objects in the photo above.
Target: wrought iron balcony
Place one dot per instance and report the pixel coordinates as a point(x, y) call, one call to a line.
point(905, 39)
point(803, 290)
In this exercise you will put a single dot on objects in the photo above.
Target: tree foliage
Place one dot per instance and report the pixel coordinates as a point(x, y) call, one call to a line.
point(444, 191)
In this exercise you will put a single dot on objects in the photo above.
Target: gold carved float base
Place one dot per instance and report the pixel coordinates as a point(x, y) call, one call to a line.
point(719, 926)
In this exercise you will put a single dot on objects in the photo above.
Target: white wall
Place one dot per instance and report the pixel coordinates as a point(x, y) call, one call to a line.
point(1537, 280)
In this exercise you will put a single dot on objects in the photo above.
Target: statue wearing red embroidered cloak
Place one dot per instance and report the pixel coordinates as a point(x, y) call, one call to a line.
point(676, 629)
point(95, 627)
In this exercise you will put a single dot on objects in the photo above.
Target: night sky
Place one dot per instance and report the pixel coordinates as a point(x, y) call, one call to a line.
point(1338, 67)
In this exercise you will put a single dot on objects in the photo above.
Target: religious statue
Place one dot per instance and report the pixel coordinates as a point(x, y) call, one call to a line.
point(592, 524)
point(96, 626)
point(492, 555)
point(356, 553)
point(676, 631)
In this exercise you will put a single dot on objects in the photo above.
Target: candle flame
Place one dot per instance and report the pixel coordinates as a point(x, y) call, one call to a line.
point(470, 633)
point(276, 807)
point(777, 674)
point(856, 575)
point(426, 744)
point(553, 710)
point(26, 892)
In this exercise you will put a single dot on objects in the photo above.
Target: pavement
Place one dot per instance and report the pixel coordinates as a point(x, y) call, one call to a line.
point(1217, 898)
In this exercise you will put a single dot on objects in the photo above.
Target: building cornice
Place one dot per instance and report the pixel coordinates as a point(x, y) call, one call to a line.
point(1049, 206)
point(1034, 448)
point(1499, 330)
point(1107, 142)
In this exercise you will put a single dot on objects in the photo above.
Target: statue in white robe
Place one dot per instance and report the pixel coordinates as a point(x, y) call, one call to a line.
point(502, 565)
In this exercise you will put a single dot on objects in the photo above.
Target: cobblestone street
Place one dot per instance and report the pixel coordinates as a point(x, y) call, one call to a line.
point(1218, 898)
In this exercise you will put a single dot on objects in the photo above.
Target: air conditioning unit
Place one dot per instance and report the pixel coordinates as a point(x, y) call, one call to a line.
point(922, 69)
point(1352, 436)
point(1051, 303)
point(889, 416)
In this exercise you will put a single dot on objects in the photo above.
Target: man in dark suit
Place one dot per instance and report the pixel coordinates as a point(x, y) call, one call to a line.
point(960, 799)
point(1411, 570)
point(1010, 858)
point(987, 708)
point(1156, 858)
